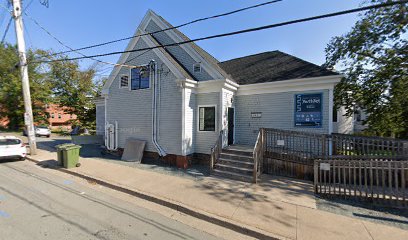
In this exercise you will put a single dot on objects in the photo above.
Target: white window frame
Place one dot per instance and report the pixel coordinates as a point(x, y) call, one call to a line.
point(194, 65)
point(130, 79)
point(198, 118)
point(120, 81)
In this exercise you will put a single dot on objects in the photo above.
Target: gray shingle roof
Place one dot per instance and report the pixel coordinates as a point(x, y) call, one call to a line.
point(204, 54)
point(271, 67)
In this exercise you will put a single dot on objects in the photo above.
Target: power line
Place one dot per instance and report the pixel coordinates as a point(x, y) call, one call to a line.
point(245, 30)
point(171, 28)
point(6, 8)
point(138, 56)
point(63, 44)
point(28, 5)
point(6, 31)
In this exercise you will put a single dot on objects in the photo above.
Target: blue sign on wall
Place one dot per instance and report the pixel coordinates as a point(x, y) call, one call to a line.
point(308, 110)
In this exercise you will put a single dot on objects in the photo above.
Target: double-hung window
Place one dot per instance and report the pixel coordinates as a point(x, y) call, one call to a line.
point(207, 119)
point(139, 78)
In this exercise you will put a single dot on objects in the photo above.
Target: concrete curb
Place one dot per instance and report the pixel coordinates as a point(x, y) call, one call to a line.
point(173, 205)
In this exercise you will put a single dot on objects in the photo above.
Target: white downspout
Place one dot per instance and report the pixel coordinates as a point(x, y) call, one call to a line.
point(153, 73)
point(106, 121)
point(116, 136)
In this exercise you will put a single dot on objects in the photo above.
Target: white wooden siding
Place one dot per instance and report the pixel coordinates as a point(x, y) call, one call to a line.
point(190, 105)
point(204, 141)
point(100, 120)
point(133, 109)
point(227, 97)
point(277, 112)
point(182, 56)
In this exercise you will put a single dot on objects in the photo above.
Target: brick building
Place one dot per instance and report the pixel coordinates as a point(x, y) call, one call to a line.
point(59, 118)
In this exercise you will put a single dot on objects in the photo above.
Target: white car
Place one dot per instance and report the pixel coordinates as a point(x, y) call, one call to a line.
point(12, 148)
point(42, 131)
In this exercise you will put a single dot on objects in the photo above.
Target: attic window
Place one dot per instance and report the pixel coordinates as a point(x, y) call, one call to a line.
point(124, 81)
point(140, 78)
point(197, 67)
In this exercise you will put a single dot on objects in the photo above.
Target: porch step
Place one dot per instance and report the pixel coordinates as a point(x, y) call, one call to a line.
point(232, 175)
point(237, 157)
point(239, 152)
point(235, 169)
point(237, 163)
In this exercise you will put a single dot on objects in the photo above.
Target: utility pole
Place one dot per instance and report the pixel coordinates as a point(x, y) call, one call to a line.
point(28, 116)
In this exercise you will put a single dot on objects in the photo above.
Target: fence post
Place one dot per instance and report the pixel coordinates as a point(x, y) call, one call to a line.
point(315, 174)
point(324, 145)
point(212, 160)
point(405, 148)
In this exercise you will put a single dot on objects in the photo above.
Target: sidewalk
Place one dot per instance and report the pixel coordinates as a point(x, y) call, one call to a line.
point(277, 207)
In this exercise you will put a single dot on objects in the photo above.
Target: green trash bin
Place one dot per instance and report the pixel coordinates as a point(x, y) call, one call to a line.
point(71, 156)
point(60, 156)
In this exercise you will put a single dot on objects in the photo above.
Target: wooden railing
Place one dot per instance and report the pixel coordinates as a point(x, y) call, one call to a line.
point(350, 145)
point(258, 155)
point(292, 153)
point(216, 150)
point(305, 147)
point(374, 179)
point(293, 146)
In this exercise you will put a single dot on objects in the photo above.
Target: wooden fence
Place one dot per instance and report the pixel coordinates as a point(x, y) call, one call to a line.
point(375, 179)
point(292, 153)
point(350, 145)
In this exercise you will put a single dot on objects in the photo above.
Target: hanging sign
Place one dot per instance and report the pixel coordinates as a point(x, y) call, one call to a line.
point(325, 166)
point(27, 119)
point(308, 110)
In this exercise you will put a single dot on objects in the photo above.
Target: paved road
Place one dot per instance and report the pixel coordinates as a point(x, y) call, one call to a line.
point(37, 205)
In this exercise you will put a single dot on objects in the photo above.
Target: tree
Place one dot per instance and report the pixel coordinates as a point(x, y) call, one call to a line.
point(11, 95)
point(373, 57)
point(74, 89)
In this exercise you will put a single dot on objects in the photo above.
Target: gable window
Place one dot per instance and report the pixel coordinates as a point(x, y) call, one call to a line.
point(207, 119)
point(59, 115)
point(124, 81)
point(52, 115)
point(139, 78)
point(197, 67)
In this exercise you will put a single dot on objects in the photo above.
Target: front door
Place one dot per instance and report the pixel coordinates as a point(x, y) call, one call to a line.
point(230, 126)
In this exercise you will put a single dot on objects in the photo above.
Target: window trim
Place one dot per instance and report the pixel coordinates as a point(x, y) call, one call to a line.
point(216, 118)
point(130, 79)
point(120, 81)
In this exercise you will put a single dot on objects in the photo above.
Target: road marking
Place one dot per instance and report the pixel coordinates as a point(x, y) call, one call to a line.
point(68, 182)
point(4, 214)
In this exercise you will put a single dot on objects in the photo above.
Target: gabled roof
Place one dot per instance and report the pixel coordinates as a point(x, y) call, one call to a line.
point(259, 68)
point(271, 67)
point(204, 54)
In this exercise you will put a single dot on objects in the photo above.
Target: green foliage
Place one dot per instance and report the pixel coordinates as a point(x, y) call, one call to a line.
point(11, 97)
point(373, 57)
point(75, 89)
point(61, 82)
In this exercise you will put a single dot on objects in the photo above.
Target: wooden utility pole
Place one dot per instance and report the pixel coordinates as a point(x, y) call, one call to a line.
point(28, 116)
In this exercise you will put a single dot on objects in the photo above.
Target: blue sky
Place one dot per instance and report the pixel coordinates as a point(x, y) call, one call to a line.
point(80, 23)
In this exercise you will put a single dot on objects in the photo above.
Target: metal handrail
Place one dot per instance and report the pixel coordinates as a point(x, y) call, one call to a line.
point(258, 153)
point(216, 150)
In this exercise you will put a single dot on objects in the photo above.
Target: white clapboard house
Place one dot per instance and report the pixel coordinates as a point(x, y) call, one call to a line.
point(179, 98)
